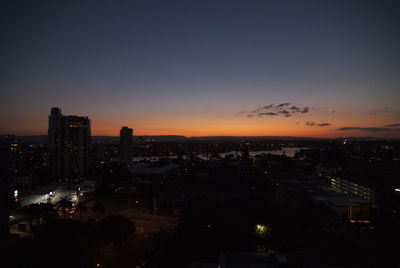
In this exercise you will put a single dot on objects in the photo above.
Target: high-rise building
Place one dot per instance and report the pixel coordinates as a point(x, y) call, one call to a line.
point(69, 144)
point(55, 142)
point(125, 136)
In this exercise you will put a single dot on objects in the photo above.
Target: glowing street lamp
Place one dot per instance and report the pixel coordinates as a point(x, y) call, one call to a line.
point(262, 230)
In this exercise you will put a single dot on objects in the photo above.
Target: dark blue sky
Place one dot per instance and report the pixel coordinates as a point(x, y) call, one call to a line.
point(180, 66)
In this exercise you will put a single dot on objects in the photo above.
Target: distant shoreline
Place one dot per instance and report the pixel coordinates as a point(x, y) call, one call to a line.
point(166, 138)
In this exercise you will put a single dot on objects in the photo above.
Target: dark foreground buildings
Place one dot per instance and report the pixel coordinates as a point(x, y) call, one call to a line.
point(126, 143)
point(69, 144)
point(6, 143)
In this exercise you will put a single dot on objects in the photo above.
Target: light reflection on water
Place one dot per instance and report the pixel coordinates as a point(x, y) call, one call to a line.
point(288, 151)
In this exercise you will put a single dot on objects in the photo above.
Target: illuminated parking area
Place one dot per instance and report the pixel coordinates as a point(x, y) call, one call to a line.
point(349, 187)
point(52, 197)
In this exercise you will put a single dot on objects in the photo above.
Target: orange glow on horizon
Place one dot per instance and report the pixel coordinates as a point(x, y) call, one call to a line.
point(221, 124)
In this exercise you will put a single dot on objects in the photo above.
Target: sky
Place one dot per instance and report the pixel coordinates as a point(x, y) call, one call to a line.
point(203, 68)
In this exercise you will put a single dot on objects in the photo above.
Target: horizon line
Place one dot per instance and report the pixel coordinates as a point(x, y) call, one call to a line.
point(227, 136)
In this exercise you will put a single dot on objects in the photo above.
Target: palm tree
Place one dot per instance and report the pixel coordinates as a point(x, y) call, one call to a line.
point(64, 203)
point(80, 207)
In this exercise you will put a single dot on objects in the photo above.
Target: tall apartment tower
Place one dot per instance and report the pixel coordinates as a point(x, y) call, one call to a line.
point(55, 142)
point(125, 138)
point(69, 144)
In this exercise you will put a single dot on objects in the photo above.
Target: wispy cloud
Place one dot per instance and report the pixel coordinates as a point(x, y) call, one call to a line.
point(393, 125)
point(261, 114)
point(305, 110)
point(295, 108)
point(285, 109)
point(367, 129)
point(284, 112)
point(266, 107)
point(312, 124)
point(283, 104)
point(390, 127)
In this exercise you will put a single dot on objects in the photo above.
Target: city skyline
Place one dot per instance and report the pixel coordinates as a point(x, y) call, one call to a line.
point(207, 68)
point(260, 112)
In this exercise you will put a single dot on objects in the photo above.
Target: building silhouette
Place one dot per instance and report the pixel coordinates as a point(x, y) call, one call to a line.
point(69, 144)
point(7, 144)
point(126, 136)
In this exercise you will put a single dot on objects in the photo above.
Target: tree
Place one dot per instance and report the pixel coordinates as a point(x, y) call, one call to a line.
point(80, 207)
point(64, 203)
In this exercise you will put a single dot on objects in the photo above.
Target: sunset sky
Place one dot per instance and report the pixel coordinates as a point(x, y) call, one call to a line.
point(203, 68)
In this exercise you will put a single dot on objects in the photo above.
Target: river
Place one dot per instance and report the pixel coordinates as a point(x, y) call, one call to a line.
point(288, 151)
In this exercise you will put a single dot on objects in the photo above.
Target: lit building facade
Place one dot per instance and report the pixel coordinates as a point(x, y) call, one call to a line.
point(69, 144)
point(349, 187)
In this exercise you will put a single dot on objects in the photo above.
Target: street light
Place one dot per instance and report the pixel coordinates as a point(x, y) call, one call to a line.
point(262, 230)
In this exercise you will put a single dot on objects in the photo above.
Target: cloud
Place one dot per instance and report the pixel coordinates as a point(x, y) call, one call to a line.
point(283, 104)
point(305, 110)
point(393, 125)
point(261, 114)
point(284, 109)
point(311, 124)
point(284, 112)
point(295, 108)
point(389, 127)
point(266, 107)
point(368, 129)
